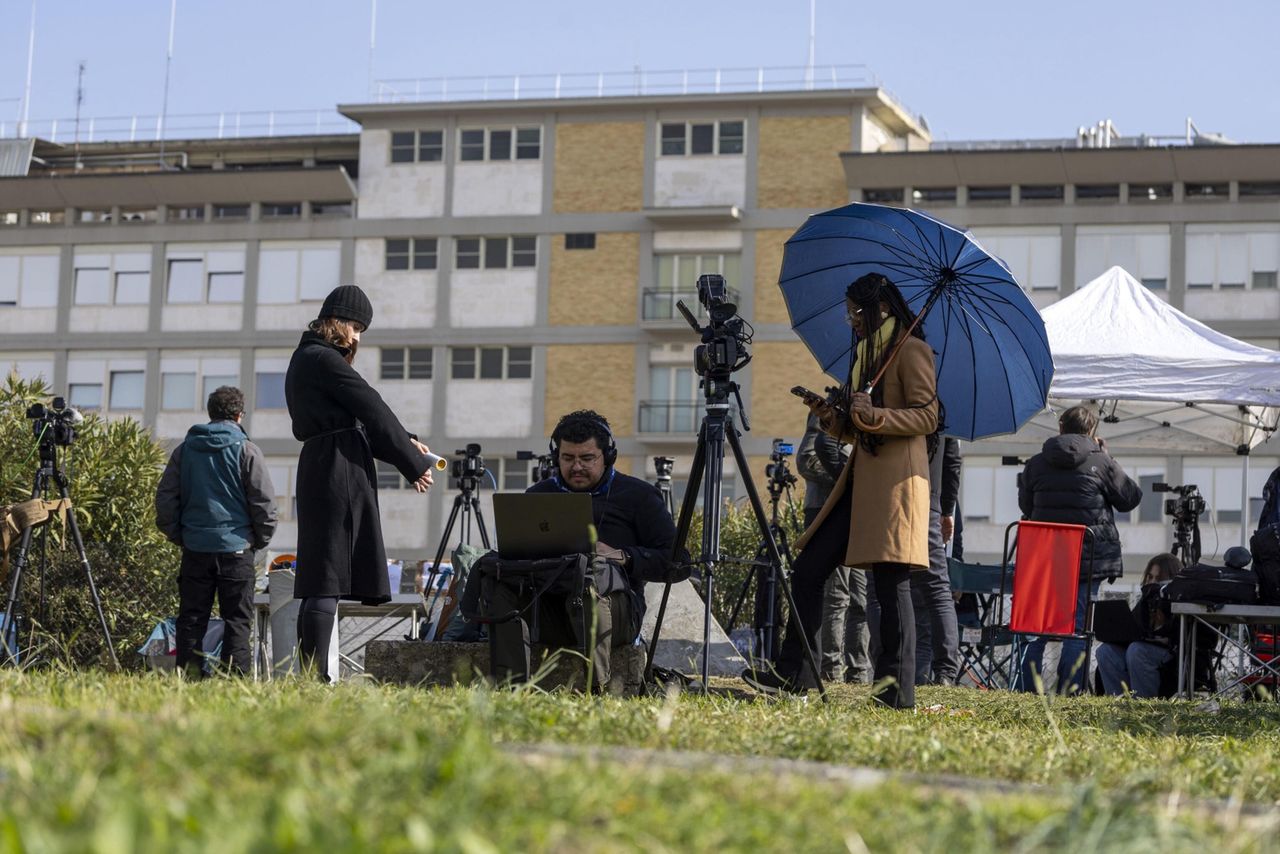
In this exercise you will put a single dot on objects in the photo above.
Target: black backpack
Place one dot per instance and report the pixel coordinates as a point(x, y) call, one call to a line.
point(1265, 546)
point(1214, 585)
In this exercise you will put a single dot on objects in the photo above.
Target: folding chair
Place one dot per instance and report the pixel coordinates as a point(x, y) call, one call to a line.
point(1046, 584)
point(985, 644)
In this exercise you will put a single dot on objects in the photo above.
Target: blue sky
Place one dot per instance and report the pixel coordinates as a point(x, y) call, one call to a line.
point(998, 69)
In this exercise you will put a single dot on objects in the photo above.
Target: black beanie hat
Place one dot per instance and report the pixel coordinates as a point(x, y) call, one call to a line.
point(348, 302)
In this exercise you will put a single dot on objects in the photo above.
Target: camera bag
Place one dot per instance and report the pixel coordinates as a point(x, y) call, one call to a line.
point(1214, 585)
point(1265, 546)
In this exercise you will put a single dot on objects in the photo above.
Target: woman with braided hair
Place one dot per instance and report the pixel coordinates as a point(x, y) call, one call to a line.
point(877, 516)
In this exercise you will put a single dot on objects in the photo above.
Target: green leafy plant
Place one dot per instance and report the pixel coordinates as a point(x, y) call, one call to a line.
point(112, 468)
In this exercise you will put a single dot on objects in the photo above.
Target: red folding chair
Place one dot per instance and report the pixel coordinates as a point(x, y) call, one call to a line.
point(1046, 584)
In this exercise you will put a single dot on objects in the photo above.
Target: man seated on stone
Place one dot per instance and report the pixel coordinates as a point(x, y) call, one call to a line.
point(635, 537)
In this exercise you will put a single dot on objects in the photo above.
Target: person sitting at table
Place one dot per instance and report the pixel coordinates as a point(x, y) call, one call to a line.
point(1137, 667)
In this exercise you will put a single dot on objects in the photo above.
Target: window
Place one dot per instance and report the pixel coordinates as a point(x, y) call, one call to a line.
point(292, 274)
point(491, 363)
point(883, 195)
point(8, 218)
point(1143, 250)
point(677, 279)
point(139, 215)
point(990, 194)
point(580, 241)
point(178, 391)
point(515, 474)
point(56, 217)
point(230, 211)
point(1097, 192)
point(281, 210)
point(695, 138)
point(1032, 253)
point(332, 210)
point(192, 213)
point(270, 391)
point(933, 195)
point(1247, 190)
point(1150, 192)
point(399, 363)
point(1219, 191)
point(186, 283)
point(673, 400)
point(421, 146)
point(389, 476)
point(106, 278)
point(213, 382)
point(92, 286)
point(499, 143)
point(1040, 192)
point(127, 389)
point(85, 395)
point(417, 253)
point(198, 276)
point(497, 252)
point(29, 281)
point(1232, 257)
point(133, 287)
point(93, 215)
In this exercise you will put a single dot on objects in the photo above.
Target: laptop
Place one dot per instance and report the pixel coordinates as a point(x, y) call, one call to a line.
point(534, 525)
point(1113, 622)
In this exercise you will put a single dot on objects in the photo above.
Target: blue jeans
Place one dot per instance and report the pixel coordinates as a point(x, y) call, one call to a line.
point(1073, 665)
point(1135, 667)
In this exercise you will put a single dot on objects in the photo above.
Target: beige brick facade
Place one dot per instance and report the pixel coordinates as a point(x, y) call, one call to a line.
point(777, 366)
point(592, 376)
point(799, 163)
point(599, 167)
point(769, 306)
point(595, 287)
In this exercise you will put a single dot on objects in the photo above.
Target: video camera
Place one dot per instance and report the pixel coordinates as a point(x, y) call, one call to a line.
point(54, 424)
point(664, 466)
point(543, 466)
point(1187, 507)
point(469, 466)
point(780, 476)
point(725, 337)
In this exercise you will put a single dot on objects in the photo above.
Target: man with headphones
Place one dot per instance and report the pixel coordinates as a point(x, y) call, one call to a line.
point(635, 537)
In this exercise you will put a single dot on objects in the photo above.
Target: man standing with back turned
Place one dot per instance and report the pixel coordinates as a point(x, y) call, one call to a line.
point(216, 501)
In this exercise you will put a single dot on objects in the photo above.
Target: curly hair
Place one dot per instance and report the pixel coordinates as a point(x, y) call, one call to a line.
point(225, 404)
point(581, 425)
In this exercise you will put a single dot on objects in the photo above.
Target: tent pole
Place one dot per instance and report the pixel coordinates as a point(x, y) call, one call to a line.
point(1244, 500)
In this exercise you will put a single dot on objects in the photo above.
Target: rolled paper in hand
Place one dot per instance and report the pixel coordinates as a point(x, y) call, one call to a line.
point(437, 463)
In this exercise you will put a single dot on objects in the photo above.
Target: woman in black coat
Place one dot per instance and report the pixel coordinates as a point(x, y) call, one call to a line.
point(344, 426)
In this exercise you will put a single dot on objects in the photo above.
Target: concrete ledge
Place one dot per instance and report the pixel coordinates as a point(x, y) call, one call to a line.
point(439, 663)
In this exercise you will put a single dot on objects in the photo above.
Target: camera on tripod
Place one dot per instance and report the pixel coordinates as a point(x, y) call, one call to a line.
point(1187, 507)
point(779, 474)
point(54, 424)
point(664, 466)
point(543, 466)
point(469, 465)
point(725, 337)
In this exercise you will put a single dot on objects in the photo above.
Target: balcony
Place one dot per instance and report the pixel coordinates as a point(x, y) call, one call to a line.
point(666, 416)
point(659, 305)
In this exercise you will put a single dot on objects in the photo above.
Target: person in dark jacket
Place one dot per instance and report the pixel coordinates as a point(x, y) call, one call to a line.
point(844, 636)
point(216, 501)
point(344, 425)
point(636, 537)
point(937, 633)
point(1074, 480)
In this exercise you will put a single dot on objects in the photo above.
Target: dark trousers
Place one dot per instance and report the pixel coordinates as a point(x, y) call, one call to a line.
point(229, 576)
point(937, 635)
point(554, 619)
point(895, 663)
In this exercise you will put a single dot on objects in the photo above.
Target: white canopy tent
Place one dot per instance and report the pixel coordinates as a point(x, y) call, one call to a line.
point(1162, 381)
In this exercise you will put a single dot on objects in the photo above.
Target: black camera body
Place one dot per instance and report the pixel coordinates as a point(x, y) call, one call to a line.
point(1187, 507)
point(724, 339)
point(543, 466)
point(664, 466)
point(780, 475)
point(54, 424)
point(469, 465)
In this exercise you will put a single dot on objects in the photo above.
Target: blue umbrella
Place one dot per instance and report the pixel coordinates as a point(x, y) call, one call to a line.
point(993, 360)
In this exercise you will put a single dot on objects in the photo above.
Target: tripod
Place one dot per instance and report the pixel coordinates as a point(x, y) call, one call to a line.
point(48, 472)
point(766, 627)
point(466, 506)
point(723, 351)
point(664, 466)
point(1186, 541)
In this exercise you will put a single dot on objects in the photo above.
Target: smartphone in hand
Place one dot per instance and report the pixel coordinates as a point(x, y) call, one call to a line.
point(809, 397)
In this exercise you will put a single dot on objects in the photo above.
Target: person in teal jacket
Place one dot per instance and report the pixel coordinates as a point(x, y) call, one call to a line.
point(216, 501)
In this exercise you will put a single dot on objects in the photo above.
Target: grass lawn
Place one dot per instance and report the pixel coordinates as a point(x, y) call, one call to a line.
point(122, 763)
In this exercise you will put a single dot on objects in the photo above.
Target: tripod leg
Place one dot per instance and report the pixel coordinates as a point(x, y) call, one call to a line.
point(712, 484)
point(484, 534)
point(775, 559)
point(429, 583)
point(88, 571)
point(682, 534)
point(21, 558)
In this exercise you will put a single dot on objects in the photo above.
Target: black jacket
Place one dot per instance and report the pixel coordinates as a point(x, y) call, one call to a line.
point(820, 460)
point(344, 425)
point(1073, 480)
point(630, 515)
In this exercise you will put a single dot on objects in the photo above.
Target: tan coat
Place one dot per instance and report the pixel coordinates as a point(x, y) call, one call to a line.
point(890, 519)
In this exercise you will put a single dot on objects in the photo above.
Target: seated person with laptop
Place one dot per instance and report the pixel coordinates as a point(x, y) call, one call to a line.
point(634, 536)
point(1135, 646)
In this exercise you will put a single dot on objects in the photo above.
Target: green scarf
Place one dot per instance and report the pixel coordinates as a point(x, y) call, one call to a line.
point(882, 338)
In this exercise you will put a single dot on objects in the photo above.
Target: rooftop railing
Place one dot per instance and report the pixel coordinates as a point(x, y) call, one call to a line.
point(183, 126)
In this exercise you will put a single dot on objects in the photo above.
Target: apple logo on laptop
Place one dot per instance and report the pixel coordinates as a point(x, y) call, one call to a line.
point(544, 526)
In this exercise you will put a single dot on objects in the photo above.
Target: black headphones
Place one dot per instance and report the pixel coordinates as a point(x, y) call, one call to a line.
point(610, 451)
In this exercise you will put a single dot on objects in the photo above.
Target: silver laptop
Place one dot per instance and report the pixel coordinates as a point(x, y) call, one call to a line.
point(533, 525)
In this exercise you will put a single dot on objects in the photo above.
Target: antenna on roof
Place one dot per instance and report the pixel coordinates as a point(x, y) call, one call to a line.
point(79, 101)
point(373, 43)
point(168, 63)
point(26, 93)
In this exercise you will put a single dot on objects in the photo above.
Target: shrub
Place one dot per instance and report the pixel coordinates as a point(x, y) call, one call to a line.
point(112, 468)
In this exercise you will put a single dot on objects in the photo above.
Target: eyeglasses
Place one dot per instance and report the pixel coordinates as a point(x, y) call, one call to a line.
point(852, 314)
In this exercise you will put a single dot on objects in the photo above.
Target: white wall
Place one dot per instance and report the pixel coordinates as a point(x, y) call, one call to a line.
point(388, 190)
point(410, 400)
point(497, 188)
point(697, 181)
point(197, 318)
point(488, 408)
point(493, 297)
